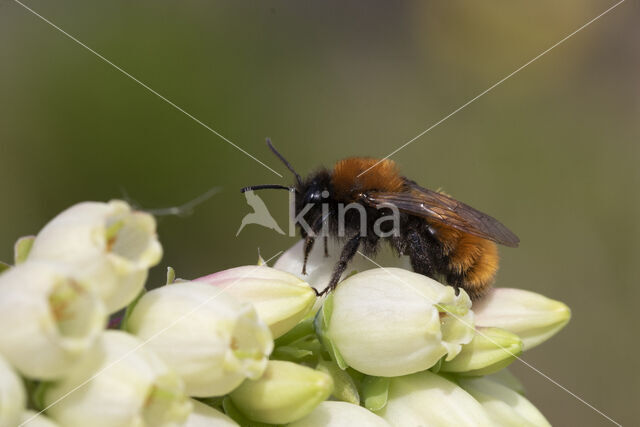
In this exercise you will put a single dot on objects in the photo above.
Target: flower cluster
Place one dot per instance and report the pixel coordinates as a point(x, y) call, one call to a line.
point(252, 345)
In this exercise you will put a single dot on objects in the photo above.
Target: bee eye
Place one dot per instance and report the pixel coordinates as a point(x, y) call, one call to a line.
point(312, 197)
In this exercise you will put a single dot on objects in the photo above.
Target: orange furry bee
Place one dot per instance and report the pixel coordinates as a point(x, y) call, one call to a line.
point(444, 238)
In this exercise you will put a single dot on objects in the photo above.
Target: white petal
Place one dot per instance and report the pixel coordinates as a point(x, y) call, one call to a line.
point(456, 323)
point(35, 419)
point(280, 298)
point(507, 379)
point(385, 322)
point(120, 383)
point(426, 399)
point(504, 406)
point(49, 319)
point(490, 350)
point(340, 414)
point(106, 244)
point(531, 316)
point(213, 341)
point(285, 393)
point(205, 416)
point(12, 395)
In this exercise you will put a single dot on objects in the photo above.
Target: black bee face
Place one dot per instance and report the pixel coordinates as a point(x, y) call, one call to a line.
point(310, 198)
point(316, 189)
point(314, 194)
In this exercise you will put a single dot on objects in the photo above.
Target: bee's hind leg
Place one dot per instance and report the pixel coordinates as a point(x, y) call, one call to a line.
point(419, 253)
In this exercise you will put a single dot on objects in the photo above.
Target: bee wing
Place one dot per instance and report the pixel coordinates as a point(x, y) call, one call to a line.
point(439, 207)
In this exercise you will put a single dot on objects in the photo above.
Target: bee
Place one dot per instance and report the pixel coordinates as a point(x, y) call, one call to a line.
point(444, 239)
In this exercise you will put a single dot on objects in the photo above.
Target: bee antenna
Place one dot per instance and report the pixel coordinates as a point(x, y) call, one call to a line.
point(286, 163)
point(266, 186)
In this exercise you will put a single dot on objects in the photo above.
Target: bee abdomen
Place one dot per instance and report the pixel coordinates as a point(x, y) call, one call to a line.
point(480, 276)
point(471, 262)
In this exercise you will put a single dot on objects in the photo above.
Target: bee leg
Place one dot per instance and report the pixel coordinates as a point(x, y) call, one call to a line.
point(348, 252)
point(308, 245)
point(418, 251)
point(326, 246)
point(455, 280)
point(309, 240)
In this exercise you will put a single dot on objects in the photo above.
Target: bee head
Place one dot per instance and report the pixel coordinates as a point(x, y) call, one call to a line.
point(317, 188)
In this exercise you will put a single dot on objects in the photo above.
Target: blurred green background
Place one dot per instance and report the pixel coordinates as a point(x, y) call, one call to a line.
point(552, 152)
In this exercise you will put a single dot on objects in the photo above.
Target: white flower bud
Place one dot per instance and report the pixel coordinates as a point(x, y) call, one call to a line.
point(49, 319)
point(391, 322)
point(119, 383)
point(427, 399)
point(205, 416)
point(340, 414)
point(22, 248)
point(320, 268)
point(213, 341)
point(507, 379)
point(34, 419)
point(105, 243)
point(285, 393)
point(533, 317)
point(490, 350)
point(12, 395)
point(280, 299)
point(504, 406)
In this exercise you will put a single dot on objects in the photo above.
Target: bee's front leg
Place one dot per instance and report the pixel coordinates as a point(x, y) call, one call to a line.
point(309, 240)
point(308, 246)
point(349, 250)
point(326, 246)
